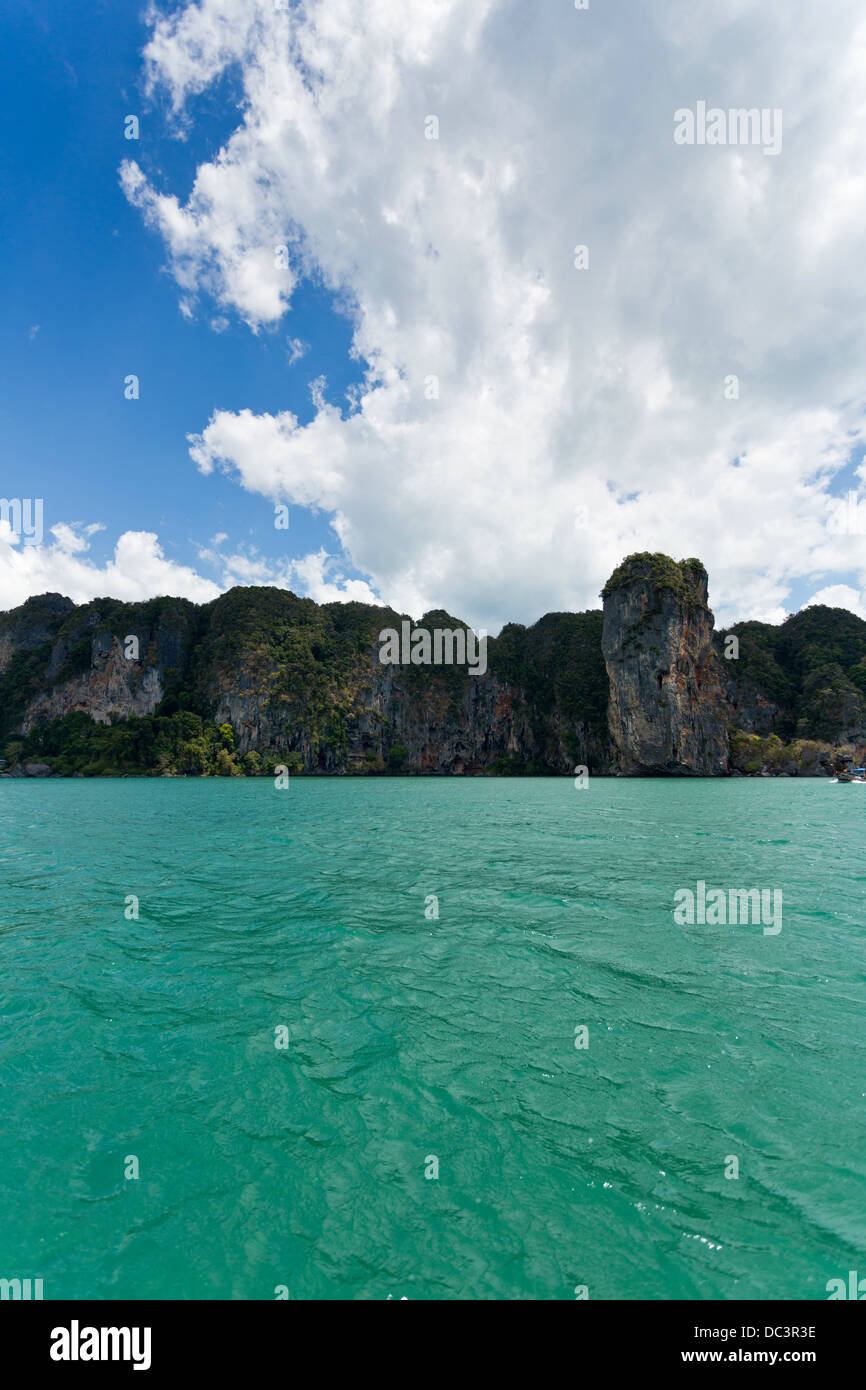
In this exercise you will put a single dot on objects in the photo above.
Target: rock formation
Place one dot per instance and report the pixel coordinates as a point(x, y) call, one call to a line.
point(667, 712)
point(260, 676)
point(303, 682)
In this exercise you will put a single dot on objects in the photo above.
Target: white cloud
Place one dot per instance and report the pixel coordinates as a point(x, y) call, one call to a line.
point(297, 349)
point(316, 575)
point(840, 596)
point(72, 539)
point(557, 388)
point(137, 570)
point(313, 573)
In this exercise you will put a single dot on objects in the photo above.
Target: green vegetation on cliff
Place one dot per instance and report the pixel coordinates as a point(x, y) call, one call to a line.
point(305, 685)
point(751, 754)
point(559, 664)
point(54, 643)
point(675, 576)
point(813, 666)
point(21, 682)
point(261, 677)
point(152, 745)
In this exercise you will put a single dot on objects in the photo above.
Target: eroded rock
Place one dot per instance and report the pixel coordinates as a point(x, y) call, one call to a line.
point(667, 711)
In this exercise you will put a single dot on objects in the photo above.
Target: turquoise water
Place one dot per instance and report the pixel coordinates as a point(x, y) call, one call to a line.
point(412, 1038)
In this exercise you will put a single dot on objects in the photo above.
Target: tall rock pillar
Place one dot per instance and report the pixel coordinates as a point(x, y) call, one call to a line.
point(667, 711)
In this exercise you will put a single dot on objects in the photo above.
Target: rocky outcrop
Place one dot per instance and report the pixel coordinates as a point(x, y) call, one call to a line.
point(668, 714)
point(293, 677)
point(107, 659)
point(113, 684)
point(750, 709)
point(260, 676)
point(411, 721)
point(32, 626)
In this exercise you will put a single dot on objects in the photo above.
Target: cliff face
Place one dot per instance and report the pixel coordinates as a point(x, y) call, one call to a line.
point(750, 709)
point(261, 677)
point(56, 658)
point(668, 713)
point(298, 681)
point(113, 685)
point(30, 627)
point(461, 728)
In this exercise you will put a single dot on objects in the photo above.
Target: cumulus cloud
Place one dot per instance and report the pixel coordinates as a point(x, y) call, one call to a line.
point(317, 575)
point(523, 422)
point(321, 579)
point(137, 570)
point(840, 596)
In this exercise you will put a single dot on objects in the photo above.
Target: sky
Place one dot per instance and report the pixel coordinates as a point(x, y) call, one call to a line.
point(339, 250)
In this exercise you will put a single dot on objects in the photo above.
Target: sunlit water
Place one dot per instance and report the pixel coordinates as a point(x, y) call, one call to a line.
point(413, 1038)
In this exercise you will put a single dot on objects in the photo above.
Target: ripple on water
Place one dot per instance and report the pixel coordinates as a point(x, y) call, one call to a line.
point(413, 1038)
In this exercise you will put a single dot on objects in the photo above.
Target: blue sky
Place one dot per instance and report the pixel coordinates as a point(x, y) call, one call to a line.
point(79, 266)
point(558, 394)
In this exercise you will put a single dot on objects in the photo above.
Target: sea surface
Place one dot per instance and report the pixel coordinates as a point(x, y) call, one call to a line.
point(419, 1043)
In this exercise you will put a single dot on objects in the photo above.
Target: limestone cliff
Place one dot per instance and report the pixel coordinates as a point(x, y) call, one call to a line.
point(56, 658)
point(260, 677)
point(294, 680)
point(667, 714)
